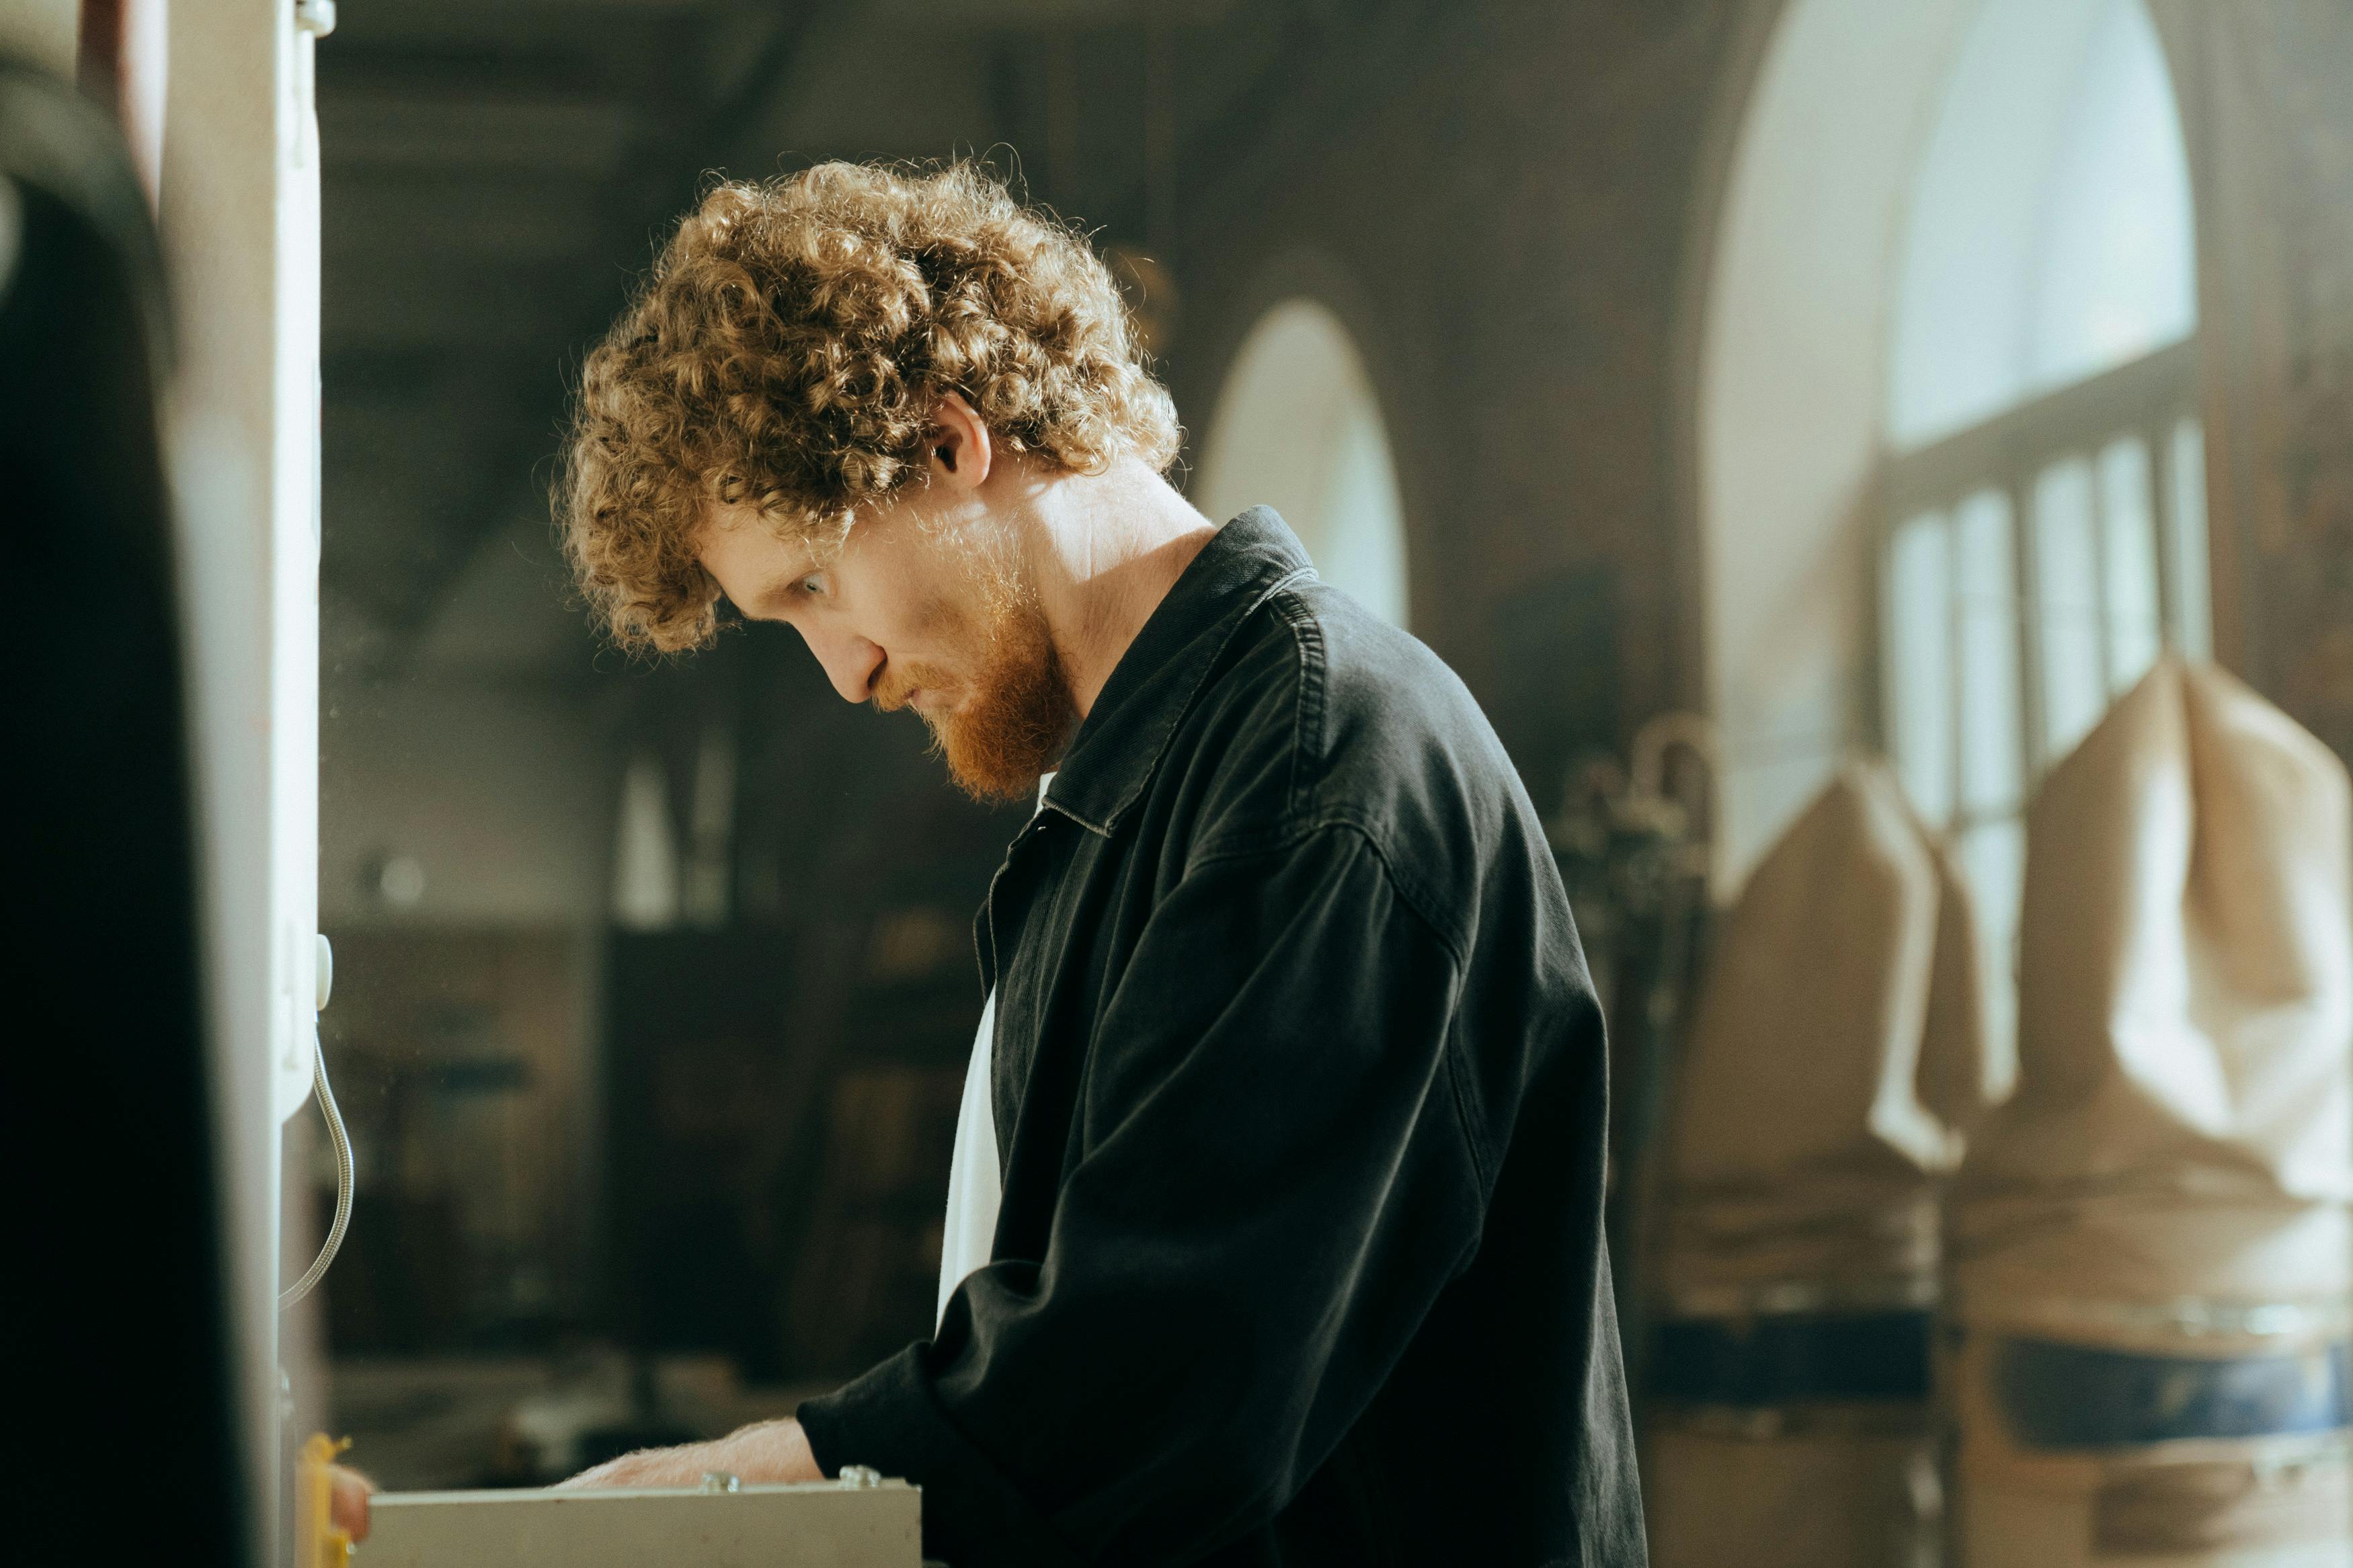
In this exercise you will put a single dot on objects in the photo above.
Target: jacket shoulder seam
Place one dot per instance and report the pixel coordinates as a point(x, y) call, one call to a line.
point(1460, 1092)
point(1307, 705)
point(1284, 835)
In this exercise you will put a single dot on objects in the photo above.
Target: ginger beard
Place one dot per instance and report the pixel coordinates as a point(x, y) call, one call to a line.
point(1012, 712)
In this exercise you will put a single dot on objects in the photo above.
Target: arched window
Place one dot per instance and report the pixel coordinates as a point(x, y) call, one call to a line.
point(2043, 481)
point(1298, 428)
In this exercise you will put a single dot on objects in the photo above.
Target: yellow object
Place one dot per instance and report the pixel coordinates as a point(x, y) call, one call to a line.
point(318, 1541)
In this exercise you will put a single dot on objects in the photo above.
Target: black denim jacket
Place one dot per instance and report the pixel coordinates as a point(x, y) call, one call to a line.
point(1299, 1089)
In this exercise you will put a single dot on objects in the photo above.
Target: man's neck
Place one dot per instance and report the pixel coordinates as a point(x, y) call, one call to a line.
point(1105, 550)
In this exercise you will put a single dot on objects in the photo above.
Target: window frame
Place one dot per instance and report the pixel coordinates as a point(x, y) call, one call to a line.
point(2150, 398)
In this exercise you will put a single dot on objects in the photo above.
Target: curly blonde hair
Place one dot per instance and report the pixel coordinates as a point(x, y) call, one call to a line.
point(787, 350)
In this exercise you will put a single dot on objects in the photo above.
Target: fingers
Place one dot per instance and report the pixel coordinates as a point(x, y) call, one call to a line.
point(347, 1501)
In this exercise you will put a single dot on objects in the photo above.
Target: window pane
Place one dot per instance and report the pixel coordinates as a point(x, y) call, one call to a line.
point(2118, 273)
point(2049, 235)
point(1985, 578)
point(1993, 857)
point(2128, 561)
point(2193, 625)
point(2067, 610)
point(1920, 662)
point(1297, 428)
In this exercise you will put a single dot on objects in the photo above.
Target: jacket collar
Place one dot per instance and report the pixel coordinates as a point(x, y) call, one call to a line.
point(1116, 751)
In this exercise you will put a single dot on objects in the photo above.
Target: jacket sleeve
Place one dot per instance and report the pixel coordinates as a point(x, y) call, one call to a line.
point(1273, 1178)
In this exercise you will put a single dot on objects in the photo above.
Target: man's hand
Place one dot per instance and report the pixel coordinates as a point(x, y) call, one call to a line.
point(767, 1452)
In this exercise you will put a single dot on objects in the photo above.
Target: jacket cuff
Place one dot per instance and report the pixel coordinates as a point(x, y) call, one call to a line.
point(890, 1419)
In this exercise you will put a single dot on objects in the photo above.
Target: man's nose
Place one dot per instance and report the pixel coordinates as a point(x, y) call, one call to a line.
point(850, 663)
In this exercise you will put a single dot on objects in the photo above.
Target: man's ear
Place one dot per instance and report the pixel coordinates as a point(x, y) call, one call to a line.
point(960, 451)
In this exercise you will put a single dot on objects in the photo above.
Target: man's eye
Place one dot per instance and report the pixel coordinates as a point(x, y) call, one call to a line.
point(812, 585)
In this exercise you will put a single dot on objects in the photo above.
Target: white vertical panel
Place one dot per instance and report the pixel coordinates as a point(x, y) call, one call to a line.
point(239, 211)
point(294, 531)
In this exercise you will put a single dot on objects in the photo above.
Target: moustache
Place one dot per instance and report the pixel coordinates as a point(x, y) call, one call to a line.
point(899, 685)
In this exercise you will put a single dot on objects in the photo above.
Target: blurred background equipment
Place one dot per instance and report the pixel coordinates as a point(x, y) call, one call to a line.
point(1633, 842)
point(2152, 1261)
point(1837, 1057)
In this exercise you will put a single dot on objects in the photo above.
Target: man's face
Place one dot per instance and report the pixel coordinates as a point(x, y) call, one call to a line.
point(932, 615)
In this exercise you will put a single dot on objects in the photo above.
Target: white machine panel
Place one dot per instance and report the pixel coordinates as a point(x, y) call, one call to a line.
point(821, 1524)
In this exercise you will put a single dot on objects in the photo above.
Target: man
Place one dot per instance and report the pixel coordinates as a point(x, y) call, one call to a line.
point(1282, 1176)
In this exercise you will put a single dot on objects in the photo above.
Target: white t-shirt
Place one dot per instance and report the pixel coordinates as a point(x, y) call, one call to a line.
point(976, 1180)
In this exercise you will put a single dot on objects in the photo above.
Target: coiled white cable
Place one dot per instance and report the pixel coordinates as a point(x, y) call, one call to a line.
point(343, 1183)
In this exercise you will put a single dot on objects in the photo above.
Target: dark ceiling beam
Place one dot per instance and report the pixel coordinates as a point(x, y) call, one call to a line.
point(521, 27)
point(634, 205)
point(361, 128)
point(1041, 18)
point(500, 219)
point(477, 313)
